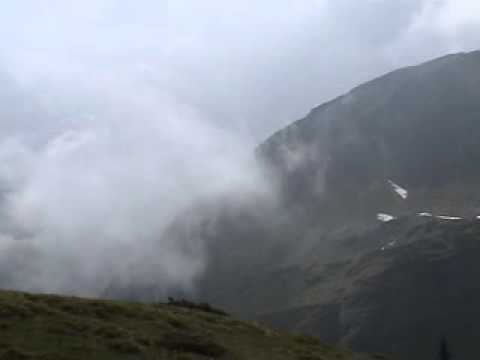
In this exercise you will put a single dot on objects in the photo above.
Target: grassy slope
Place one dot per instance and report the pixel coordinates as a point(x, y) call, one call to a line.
point(54, 328)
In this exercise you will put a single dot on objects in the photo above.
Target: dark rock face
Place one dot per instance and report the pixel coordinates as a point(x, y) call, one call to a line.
point(318, 261)
point(418, 126)
point(397, 287)
point(401, 300)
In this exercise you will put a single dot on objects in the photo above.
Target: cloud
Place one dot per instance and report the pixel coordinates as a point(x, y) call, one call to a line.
point(89, 205)
point(251, 67)
point(437, 28)
point(117, 116)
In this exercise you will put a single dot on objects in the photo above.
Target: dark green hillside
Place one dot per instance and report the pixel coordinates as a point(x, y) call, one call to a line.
point(46, 327)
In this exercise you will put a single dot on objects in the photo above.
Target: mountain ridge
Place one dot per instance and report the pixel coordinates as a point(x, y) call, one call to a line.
point(385, 76)
point(335, 170)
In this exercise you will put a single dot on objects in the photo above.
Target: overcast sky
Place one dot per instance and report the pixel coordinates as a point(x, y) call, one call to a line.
point(116, 116)
point(251, 66)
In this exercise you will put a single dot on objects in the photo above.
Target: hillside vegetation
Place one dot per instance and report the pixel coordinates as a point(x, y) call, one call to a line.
point(49, 327)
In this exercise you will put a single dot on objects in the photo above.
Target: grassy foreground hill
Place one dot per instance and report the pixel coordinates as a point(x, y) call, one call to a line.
point(49, 327)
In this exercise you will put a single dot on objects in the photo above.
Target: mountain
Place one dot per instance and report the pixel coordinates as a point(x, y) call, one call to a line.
point(46, 327)
point(416, 284)
point(417, 127)
point(371, 242)
point(371, 239)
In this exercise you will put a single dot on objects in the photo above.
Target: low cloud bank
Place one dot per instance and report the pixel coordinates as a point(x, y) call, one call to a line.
point(86, 203)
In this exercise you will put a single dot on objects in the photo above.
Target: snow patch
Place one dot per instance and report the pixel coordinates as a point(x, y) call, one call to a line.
point(446, 217)
point(425, 214)
point(442, 217)
point(402, 192)
point(385, 217)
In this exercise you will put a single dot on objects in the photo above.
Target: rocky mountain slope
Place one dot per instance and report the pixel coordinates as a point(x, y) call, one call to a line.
point(376, 223)
point(417, 127)
point(416, 285)
point(35, 327)
point(372, 239)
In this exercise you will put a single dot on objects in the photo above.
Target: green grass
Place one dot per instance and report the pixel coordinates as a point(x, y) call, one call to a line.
point(47, 327)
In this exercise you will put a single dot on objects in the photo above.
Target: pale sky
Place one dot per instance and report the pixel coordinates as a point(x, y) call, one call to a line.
point(250, 66)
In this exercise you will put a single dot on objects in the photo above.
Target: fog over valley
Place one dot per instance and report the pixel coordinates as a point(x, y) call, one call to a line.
point(123, 122)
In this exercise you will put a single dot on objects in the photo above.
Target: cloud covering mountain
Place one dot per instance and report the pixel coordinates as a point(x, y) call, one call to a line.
point(115, 117)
